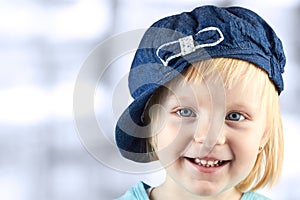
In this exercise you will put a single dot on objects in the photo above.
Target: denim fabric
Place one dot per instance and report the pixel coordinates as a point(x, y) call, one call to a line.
point(173, 43)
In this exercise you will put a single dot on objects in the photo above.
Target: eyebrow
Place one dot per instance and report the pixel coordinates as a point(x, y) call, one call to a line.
point(181, 98)
point(248, 107)
point(187, 100)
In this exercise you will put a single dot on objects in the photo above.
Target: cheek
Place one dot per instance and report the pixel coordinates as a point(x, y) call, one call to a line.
point(172, 141)
point(174, 133)
point(246, 141)
point(167, 135)
point(245, 153)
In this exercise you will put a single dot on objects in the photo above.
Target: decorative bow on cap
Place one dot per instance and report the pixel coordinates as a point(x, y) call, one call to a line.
point(207, 37)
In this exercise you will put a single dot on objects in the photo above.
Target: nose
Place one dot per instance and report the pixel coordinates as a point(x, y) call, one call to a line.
point(209, 132)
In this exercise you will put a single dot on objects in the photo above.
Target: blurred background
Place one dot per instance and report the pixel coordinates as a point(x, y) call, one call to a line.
point(43, 45)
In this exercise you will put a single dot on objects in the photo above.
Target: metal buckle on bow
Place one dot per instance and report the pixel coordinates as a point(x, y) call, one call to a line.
point(187, 45)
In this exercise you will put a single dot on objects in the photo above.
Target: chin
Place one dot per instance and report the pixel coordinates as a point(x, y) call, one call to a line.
point(204, 189)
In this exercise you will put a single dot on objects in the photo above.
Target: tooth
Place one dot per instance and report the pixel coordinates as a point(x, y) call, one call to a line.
point(197, 160)
point(203, 162)
point(210, 162)
point(216, 162)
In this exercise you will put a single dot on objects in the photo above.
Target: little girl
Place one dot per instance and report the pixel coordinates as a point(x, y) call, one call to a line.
point(206, 88)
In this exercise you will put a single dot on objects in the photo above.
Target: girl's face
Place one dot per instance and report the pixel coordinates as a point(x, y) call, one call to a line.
point(193, 115)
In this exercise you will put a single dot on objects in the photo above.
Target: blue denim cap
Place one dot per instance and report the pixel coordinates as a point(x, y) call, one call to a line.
point(175, 42)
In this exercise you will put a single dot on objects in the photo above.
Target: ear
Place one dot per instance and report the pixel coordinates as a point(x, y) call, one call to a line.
point(264, 139)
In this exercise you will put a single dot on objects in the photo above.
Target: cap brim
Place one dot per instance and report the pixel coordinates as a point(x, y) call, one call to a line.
point(131, 134)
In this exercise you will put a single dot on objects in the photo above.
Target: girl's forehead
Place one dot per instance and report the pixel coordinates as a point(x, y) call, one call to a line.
point(215, 92)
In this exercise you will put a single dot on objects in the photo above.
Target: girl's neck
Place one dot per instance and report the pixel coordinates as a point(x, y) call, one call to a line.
point(171, 190)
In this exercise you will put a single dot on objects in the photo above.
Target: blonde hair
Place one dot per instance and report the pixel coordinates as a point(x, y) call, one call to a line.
point(267, 168)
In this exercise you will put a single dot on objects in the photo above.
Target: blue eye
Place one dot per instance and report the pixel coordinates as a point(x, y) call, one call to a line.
point(185, 112)
point(235, 116)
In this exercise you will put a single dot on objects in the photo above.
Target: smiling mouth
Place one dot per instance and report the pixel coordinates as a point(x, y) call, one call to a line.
point(208, 163)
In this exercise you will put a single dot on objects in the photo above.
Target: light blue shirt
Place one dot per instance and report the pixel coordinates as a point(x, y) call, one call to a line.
point(139, 192)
